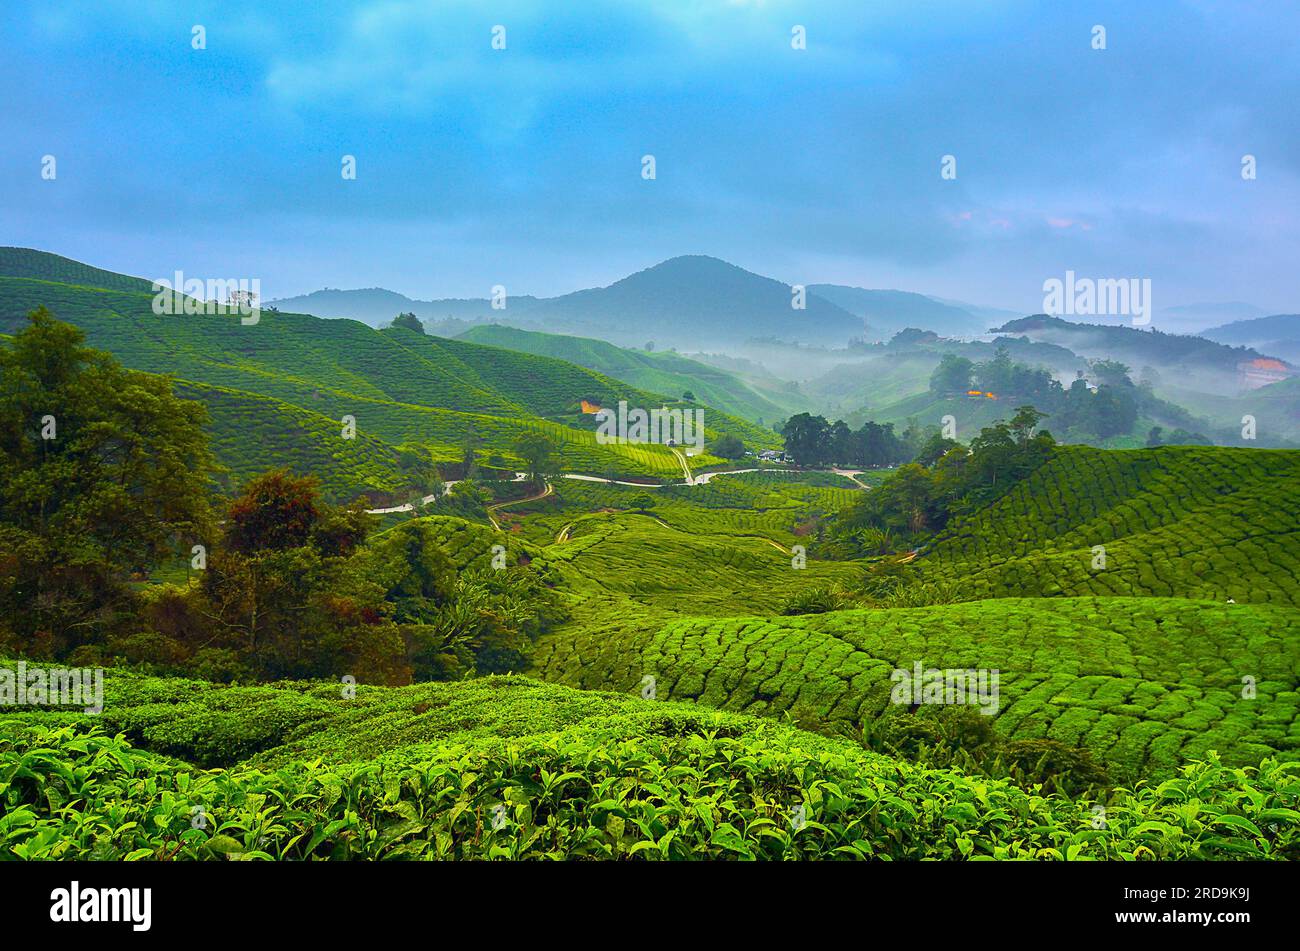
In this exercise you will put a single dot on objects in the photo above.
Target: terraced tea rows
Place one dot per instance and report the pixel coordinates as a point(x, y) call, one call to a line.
point(1146, 684)
point(43, 266)
point(729, 505)
point(252, 434)
point(630, 574)
point(636, 557)
point(469, 546)
point(1195, 522)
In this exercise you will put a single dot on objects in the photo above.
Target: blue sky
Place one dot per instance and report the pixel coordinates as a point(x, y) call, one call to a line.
point(522, 167)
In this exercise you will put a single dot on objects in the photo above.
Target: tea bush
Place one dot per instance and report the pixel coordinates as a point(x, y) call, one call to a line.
point(726, 791)
point(1144, 684)
point(1186, 521)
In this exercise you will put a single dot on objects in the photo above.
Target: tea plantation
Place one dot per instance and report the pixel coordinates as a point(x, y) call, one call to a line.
point(407, 390)
point(1190, 521)
point(513, 769)
point(1144, 684)
point(702, 670)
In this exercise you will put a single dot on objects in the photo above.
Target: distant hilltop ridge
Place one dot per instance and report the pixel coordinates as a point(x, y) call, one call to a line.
point(692, 301)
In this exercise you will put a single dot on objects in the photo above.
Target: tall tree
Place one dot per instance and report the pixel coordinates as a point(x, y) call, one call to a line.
point(408, 321)
point(806, 438)
point(995, 375)
point(538, 453)
point(1024, 424)
point(952, 375)
point(103, 473)
point(728, 447)
point(281, 593)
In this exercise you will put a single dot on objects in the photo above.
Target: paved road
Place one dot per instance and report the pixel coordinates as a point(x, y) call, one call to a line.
point(704, 478)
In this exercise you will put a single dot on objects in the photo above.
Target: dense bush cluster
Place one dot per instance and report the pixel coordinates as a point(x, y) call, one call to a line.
point(676, 784)
point(293, 587)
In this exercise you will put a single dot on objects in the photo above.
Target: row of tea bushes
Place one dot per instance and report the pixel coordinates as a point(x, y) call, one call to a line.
point(1194, 522)
point(694, 791)
point(1145, 684)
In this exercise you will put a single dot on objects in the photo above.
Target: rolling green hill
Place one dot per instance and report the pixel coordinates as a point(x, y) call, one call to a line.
point(1144, 683)
point(44, 266)
point(1192, 522)
point(405, 389)
point(659, 371)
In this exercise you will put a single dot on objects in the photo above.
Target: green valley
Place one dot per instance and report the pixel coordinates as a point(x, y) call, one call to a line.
point(624, 651)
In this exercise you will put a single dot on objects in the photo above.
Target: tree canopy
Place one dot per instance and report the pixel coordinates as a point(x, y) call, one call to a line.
point(409, 321)
point(104, 472)
point(811, 441)
point(920, 497)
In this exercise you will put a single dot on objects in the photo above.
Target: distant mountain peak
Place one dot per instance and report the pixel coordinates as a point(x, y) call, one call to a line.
point(686, 266)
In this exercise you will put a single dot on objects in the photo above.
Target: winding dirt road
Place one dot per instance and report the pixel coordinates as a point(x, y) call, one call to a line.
point(703, 478)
